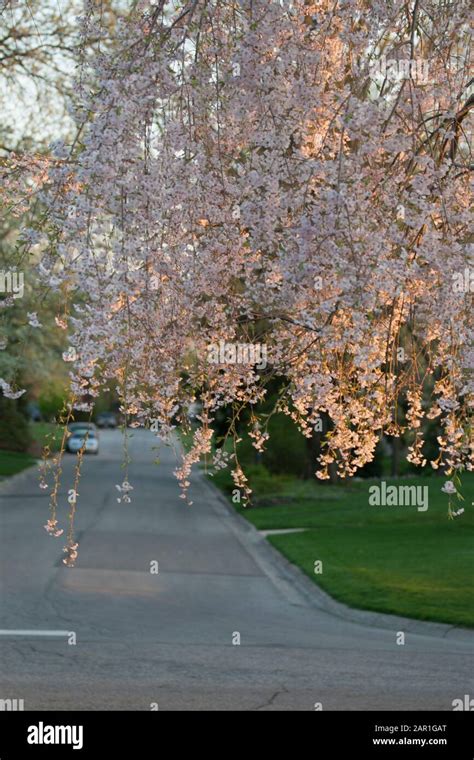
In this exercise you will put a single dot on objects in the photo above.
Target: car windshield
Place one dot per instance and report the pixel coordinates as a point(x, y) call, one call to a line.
point(83, 433)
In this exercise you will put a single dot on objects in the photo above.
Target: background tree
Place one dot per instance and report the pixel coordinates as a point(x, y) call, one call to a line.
point(40, 43)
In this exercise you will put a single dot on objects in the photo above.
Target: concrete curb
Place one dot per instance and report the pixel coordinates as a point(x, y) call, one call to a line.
point(300, 589)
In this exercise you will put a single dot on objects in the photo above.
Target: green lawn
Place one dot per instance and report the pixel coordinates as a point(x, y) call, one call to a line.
point(12, 462)
point(388, 559)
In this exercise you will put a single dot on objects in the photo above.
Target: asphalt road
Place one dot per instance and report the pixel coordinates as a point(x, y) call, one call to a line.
point(166, 639)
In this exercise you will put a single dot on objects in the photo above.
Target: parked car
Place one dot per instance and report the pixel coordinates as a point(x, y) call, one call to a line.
point(83, 438)
point(73, 427)
point(107, 420)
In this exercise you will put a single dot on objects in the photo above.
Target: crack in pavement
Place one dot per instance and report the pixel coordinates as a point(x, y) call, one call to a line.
point(281, 690)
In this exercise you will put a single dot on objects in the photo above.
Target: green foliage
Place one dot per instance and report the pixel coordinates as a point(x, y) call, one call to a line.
point(51, 405)
point(286, 450)
point(14, 428)
point(375, 468)
point(47, 434)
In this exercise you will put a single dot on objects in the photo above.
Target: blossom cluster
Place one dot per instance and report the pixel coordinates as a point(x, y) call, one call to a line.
point(229, 156)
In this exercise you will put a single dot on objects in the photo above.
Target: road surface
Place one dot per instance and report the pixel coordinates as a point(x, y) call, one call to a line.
point(168, 640)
